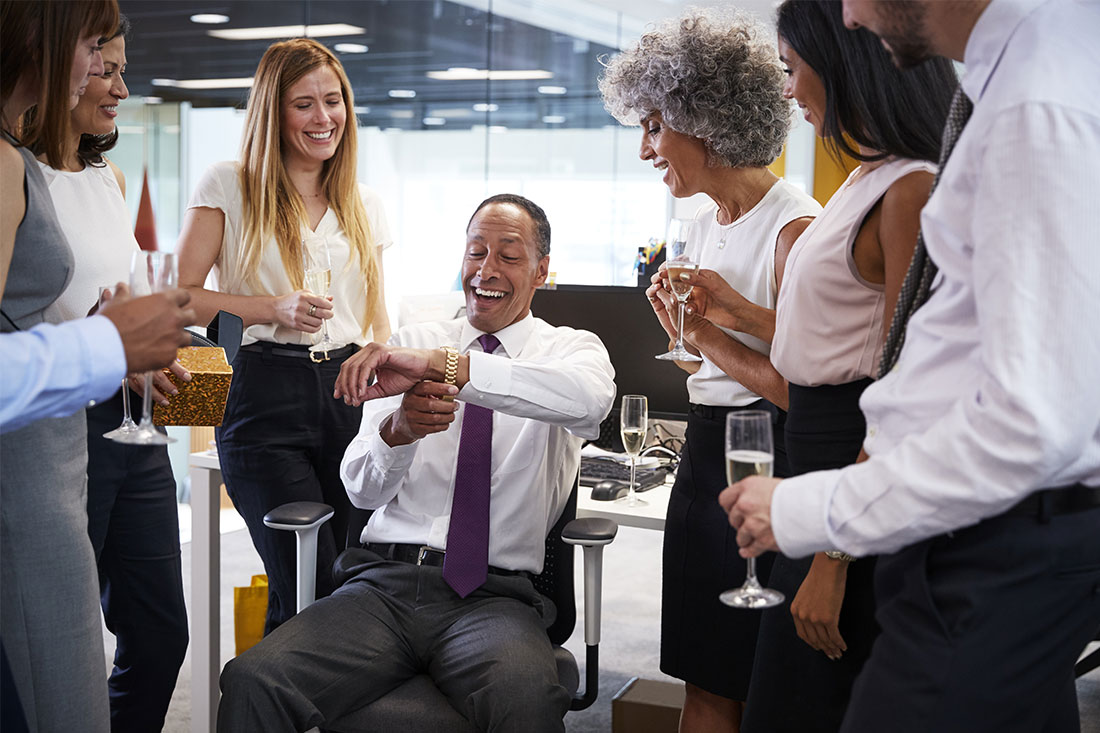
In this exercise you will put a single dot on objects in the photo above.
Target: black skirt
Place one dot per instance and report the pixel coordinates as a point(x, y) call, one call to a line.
point(796, 688)
point(703, 641)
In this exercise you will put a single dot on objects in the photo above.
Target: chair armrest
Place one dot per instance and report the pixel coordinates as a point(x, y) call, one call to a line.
point(298, 515)
point(589, 531)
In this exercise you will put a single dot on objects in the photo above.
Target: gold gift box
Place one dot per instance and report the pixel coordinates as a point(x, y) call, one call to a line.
point(202, 400)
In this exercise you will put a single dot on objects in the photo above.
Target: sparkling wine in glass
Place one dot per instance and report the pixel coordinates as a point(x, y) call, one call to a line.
point(633, 421)
point(317, 264)
point(677, 263)
point(128, 424)
point(749, 453)
point(150, 272)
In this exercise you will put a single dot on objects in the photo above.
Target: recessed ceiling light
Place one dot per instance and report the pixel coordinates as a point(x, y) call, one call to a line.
point(401, 93)
point(288, 31)
point(209, 18)
point(236, 83)
point(463, 73)
point(434, 121)
point(553, 119)
point(551, 90)
point(483, 107)
point(350, 48)
point(361, 110)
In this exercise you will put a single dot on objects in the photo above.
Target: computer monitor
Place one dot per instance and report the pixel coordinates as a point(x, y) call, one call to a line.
point(624, 321)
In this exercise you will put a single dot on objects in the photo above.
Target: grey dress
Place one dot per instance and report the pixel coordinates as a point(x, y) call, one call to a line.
point(49, 594)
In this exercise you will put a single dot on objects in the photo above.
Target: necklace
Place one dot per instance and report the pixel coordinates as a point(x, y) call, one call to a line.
point(726, 228)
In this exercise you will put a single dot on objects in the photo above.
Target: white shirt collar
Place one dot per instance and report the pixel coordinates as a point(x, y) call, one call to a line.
point(512, 337)
point(988, 39)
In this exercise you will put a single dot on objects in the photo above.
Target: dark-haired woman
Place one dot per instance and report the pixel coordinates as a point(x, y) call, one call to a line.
point(133, 520)
point(843, 277)
point(49, 614)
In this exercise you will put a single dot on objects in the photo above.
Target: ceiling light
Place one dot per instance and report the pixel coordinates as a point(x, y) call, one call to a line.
point(401, 114)
point(553, 119)
point(551, 90)
point(483, 107)
point(350, 48)
point(209, 18)
point(434, 121)
point(463, 73)
point(401, 93)
point(237, 83)
point(452, 112)
point(152, 100)
point(287, 31)
point(361, 110)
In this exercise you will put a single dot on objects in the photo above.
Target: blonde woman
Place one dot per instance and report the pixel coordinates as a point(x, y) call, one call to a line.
point(283, 434)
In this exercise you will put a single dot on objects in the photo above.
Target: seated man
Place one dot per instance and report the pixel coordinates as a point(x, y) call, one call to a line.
point(486, 492)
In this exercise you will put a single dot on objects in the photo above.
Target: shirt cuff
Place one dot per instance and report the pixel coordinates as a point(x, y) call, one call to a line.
point(800, 508)
point(490, 375)
point(104, 356)
point(386, 457)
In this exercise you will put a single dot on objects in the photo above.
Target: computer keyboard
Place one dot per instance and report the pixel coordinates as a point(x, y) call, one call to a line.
point(597, 469)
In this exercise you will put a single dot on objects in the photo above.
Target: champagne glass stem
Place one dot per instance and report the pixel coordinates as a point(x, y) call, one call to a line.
point(750, 576)
point(126, 418)
point(147, 401)
point(631, 497)
point(680, 329)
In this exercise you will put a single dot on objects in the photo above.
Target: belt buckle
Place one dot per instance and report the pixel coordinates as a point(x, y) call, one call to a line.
point(424, 550)
point(315, 360)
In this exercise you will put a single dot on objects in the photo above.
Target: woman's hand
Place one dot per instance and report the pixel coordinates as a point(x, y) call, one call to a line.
point(662, 301)
point(302, 311)
point(715, 299)
point(816, 606)
point(162, 385)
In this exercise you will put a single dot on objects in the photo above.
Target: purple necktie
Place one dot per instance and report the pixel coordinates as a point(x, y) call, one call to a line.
point(466, 564)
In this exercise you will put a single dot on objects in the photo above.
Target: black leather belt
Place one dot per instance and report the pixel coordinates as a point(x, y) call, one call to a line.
point(424, 555)
point(718, 412)
point(300, 352)
point(1052, 502)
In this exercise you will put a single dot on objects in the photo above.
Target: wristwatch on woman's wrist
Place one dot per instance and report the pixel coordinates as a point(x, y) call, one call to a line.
point(839, 555)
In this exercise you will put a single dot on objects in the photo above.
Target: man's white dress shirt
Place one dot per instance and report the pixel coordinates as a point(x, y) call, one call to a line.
point(997, 391)
point(54, 370)
point(549, 388)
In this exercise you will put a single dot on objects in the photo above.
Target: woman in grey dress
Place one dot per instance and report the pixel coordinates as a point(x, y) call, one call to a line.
point(49, 611)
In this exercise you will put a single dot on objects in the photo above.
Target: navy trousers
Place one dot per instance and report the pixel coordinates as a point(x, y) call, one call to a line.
point(134, 528)
point(281, 440)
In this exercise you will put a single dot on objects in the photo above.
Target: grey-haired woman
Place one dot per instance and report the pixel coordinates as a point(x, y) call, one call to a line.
point(707, 89)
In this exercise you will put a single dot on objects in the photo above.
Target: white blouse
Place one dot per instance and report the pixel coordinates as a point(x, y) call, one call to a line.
point(219, 188)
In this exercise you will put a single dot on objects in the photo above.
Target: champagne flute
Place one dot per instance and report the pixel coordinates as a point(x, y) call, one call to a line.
point(150, 272)
point(128, 425)
point(749, 453)
point(317, 264)
point(678, 262)
point(633, 421)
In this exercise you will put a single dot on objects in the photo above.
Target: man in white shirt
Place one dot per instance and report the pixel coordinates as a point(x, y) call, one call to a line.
point(984, 439)
point(400, 611)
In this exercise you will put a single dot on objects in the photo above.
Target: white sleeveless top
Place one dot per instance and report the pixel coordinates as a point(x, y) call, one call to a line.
point(219, 188)
point(743, 253)
point(94, 217)
point(828, 325)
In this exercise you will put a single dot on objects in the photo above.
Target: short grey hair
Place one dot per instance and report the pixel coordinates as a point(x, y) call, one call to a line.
point(711, 76)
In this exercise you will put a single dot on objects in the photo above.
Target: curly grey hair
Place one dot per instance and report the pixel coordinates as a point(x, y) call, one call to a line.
point(710, 76)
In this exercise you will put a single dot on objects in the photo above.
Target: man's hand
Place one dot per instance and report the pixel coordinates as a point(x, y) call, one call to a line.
point(162, 385)
point(816, 607)
point(397, 370)
point(151, 328)
point(749, 506)
point(423, 411)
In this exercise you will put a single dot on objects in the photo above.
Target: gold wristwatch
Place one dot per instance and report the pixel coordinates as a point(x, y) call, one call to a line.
point(840, 555)
point(450, 372)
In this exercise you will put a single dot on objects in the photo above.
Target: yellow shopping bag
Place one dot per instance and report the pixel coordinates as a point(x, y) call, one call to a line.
point(249, 613)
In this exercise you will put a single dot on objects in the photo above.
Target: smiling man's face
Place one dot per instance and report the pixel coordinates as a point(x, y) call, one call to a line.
point(501, 268)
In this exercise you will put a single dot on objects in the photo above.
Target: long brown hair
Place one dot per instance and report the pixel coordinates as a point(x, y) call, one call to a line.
point(272, 206)
point(38, 41)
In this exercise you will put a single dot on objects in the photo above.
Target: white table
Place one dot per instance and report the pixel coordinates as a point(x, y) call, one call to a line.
point(206, 480)
point(649, 516)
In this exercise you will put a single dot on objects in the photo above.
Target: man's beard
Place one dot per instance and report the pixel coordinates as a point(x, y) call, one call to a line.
point(902, 32)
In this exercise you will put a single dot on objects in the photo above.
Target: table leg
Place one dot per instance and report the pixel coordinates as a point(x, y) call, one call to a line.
point(205, 601)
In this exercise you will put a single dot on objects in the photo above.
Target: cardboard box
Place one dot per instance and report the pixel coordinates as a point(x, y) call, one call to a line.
point(202, 400)
point(647, 706)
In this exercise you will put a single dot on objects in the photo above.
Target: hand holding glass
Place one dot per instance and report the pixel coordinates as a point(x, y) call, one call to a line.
point(150, 272)
point(749, 453)
point(317, 264)
point(677, 262)
point(634, 421)
point(128, 425)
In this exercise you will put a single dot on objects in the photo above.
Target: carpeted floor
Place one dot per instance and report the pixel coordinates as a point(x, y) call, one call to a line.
point(630, 640)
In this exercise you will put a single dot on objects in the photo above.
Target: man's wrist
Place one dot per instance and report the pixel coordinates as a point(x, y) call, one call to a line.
point(449, 374)
point(839, 555)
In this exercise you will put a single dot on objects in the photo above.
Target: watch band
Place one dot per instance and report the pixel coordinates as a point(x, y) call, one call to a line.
point(840, 555)
point(450, 372)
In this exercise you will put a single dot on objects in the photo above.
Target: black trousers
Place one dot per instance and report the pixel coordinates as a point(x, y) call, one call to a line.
point(281, 440)
point(981, 628)
point(133, 523)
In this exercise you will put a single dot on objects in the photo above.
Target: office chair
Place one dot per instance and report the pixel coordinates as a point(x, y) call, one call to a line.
point(417, 706)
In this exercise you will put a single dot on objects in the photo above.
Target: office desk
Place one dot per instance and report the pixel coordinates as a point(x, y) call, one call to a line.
point(650, 516)
point(206, 480)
